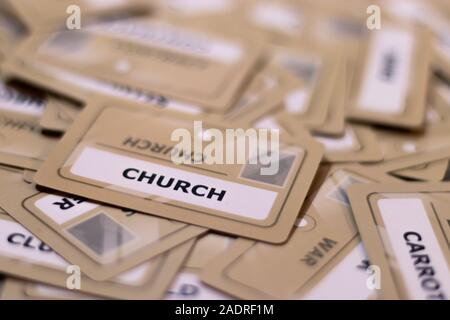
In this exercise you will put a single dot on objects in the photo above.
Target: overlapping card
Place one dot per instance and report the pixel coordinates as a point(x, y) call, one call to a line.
point(224, 149)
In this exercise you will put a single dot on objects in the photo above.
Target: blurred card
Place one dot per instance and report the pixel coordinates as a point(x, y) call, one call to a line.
point(104, 241)
point(323, 256)
point(405, 228)
point(390, 85)
point(135, 167)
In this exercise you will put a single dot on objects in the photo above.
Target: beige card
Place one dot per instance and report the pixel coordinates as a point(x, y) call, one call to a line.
point(323, 259)
point(334, 123)
point(25, 256)
point(84, 88)
point(19, 289)
point(403, 149)
point(432, 171)
point(262, 98)
point(357, 144)
point(440, 93)
point(134, 167)
point(104, 241)
point(58, 117)
point(13, 289)
point(42, 291)
point(22, 142)
point(316, 72)
point(38, 14)
point(279, 22)
point(187, 284)
point(184, 63)
point(406, 228)
point(390, 85)
point(11, 32)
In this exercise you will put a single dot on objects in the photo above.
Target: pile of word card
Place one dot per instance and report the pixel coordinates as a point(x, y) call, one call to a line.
point(224, 149)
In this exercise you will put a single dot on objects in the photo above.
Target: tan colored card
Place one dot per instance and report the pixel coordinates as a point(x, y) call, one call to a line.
point(402, 149)
point(279, 22)
point(316, 71)
point(22, 142)
point(440, 94)
point(59, 116)
point(19, 289)
point(183, 63)
point(84, 88)
point(334, 123)
point(262, 98)
point(187, 284)
point(38, 14)
point(357, 144)
point(412, 160)
point(104, 241)
point(390, 85)
point(406, 228)
point(42, 291)
point(431, 171)
point(323, 259)
point(11, 32)
point(13, 289)
point(288, 92)
point(25, 256)
point(134, 167)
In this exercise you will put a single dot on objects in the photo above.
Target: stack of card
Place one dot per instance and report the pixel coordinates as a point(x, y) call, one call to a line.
point(223, 149)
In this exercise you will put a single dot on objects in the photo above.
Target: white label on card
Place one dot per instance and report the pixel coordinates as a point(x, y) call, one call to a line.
point(63, 209)
point(418, 254)
point(138, 175)
point(388, 70)
point(105, 4)
point(267, 122)
point(200, 6)
point(346, 281)
point(276, 16)
point(296, 101)
point(19, 243)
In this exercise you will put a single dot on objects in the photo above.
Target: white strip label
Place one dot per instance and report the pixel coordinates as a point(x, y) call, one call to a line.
point(200, 6)
point(170, 37)
point(423, 267)
point(276, 16)
point(346, 281)
point(13, 100)
point(153, 179)
point(63, 209)
point(105, 4)
point(19, 243)
point(296, 101)
point(387, 74)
